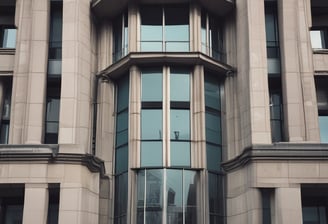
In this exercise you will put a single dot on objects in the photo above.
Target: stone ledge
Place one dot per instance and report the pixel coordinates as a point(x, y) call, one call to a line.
point(49, 154)
point(278, 152)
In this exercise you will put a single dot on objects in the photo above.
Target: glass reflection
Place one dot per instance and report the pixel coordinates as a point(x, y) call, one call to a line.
point(180, 124)
point(323, 125)
point(180, 153)
point(151, 153)
point(152, 87)
point(177, 187)
point(179, 86)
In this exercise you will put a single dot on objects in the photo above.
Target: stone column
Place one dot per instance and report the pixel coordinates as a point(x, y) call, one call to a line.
point(288, 205)
point(36, 83)
point(252, 81)
point(75, 105)
point(36, 202)
point(297, 72)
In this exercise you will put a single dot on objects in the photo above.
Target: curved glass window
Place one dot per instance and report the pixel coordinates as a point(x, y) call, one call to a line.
point(167, 196)
point(164, 28)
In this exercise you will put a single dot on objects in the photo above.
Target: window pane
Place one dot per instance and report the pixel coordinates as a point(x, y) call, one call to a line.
point(215, 193)
point(151, 153)
point(121, 162)
point(4, 133)
point(180, 85)
point(180, 153)
point(152, 86)
point(180, 124)
point(154, 196)
point(9, 38)
point(151, 28)
point(123, 93)
point(212, 93)
point(213, 128)
point(121, 198)
point(213, 155)
point(122, 128)
point(323, 124)
point(174, 197)
point(190, 187)
point(53, 109)
point(151, 124)
point(140, 196)
point(175, 46)
point(316, 39)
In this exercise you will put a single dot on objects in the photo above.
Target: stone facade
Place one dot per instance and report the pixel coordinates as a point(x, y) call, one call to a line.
point(75, 178)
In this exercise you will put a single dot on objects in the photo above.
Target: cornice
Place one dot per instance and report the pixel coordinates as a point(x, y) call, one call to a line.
point(49, 154)
point(278, 152)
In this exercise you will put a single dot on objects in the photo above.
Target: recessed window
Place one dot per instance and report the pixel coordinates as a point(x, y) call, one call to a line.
point(213, 122)
point(315, 204)
point(11, 203)
point(7, 26)
point(212, 36)
point(164, 28)
point(319, 38)
point(319, 29)
point(5, 107)
point(120, 37)
point(321, 83)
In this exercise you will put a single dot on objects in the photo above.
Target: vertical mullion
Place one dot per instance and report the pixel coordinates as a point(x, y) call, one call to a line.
point(183, 199)
point(163, 30)
point(145, 195)
point(164, 215)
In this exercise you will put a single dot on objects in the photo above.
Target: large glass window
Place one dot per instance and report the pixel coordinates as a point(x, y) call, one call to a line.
point(152, 117)
point(212, 36)
point(120, 37)
point(121, 151)
point(165, 28)
point(321, 83)
point(319, 38)
point(167, 196)
point(276, 113)
point(180, 117)
point(213, 122)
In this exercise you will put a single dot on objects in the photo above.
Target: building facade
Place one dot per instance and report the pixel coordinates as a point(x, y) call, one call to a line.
point(166, 111)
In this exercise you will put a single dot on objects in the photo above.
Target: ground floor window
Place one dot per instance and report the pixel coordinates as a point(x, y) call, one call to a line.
point(315, 204)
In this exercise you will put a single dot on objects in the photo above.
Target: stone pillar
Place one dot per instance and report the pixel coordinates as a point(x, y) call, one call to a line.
point(252, 81)
point(36, 202)
point(134, 28)
point(23, 20)
point(36, 84)
point(198, 136)
point(75, 105)
point(288, 207)
point(297, 72)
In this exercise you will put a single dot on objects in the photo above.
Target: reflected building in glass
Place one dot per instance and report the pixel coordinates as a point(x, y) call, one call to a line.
point(164, 111)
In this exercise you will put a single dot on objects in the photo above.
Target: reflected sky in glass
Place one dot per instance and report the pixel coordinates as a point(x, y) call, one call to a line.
point(323, 124)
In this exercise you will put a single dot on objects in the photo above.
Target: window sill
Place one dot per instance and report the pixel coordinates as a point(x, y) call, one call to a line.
point(319, 51)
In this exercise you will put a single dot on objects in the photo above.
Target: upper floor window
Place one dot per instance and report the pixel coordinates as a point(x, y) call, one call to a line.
point(177, 109)
point(120, 37)
point(319, 37)
point(322, 101)
point(165, 28)
point(319, 29)
point(212, 36)
point(5, 107)
point(7, 27)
